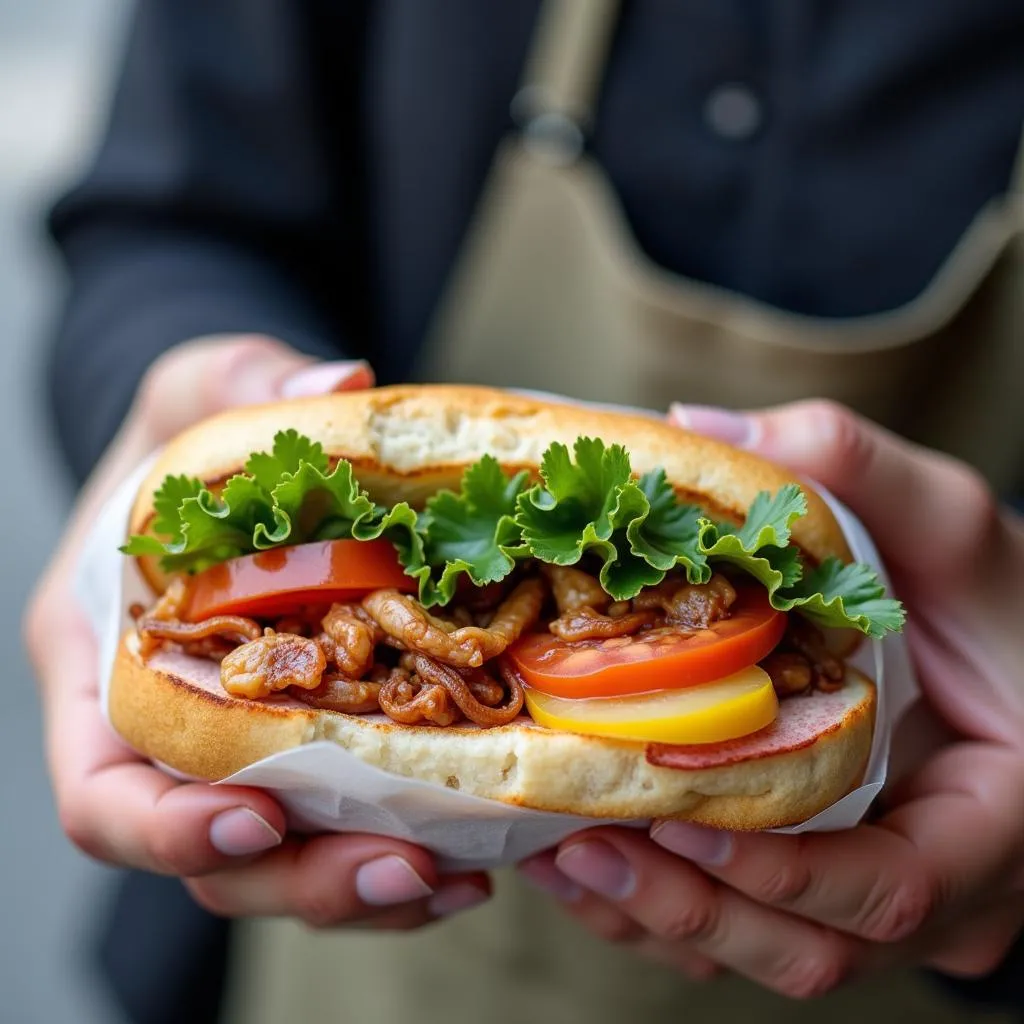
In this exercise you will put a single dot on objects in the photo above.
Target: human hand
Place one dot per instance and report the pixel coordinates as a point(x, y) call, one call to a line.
point(228, 842)
point(937, 879)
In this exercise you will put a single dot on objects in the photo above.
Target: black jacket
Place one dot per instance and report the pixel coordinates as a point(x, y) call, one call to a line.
point(307, 168)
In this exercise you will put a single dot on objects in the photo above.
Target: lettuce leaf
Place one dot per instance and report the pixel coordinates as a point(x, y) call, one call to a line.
point(290, 453)
point(285, 496)
point(471, 533)
point(587, 507)
point(835, 594)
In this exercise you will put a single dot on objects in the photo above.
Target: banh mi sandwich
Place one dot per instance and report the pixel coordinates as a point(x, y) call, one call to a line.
point(548, 605)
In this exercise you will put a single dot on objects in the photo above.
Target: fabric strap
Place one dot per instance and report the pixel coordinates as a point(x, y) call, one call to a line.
point(566, 62)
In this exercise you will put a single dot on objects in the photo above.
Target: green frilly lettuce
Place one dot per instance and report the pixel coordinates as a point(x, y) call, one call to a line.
point(587, 505)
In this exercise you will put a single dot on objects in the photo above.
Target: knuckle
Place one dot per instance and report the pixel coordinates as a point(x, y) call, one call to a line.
point(318, 907)
point(692, 922)
point(153, 384)
point(809, 976)
point(163, 849)
point(841, 429)
point(981, 509)
point(80, 830)
point(893, 914)
point(211, 897)
point(613, 928)
point(784, 886)
point(976, 961)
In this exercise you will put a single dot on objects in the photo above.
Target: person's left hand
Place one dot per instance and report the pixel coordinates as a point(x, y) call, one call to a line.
point(938, 879)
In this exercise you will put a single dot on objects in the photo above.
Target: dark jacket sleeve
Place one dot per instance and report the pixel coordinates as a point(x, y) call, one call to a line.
point(215, 202)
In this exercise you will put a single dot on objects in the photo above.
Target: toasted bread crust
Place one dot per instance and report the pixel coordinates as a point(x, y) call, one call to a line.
point(209, 735)
point(407, 442)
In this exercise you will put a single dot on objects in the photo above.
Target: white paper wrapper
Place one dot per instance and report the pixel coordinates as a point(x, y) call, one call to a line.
point(322, 787)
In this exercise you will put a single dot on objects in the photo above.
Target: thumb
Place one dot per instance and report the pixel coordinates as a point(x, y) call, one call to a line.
point(189, 382)
point(201, 377)
point(910, 499)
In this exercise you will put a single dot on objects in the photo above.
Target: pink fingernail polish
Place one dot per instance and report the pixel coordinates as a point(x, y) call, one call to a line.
point(389, 880)
point(733, 428)
point(453, 899)
point(322, 378)
point(694, 842)
point(241, 832)
point(598, 866)
point(544, 875)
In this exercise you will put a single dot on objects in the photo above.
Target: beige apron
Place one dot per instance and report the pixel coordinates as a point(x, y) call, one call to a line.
point(552, 293)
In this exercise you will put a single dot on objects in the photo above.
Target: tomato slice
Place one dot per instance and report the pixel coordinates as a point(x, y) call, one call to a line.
point(726, 709)
point(660, 659)
point(283, 581)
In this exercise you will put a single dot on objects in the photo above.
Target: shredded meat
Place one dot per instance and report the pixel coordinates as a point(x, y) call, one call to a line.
point(693, 605)
point(413, 628)
point(518, 612)
point(213, 648)
point(274, 662)
point(587, 624)
point(353, 635)
point(790, 672)
point(809, 641)
point(297, 624)
point(483, 599)
point(406, 699)
point(696, 606)
point(337, 693)
point(153, 631)
point(458, 689)
point(485, 689)
point(575, 589)
point(170, 604)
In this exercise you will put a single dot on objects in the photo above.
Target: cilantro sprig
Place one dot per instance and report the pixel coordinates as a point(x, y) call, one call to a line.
point(587, 505)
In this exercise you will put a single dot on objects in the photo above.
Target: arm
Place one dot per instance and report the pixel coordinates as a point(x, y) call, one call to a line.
point(211, 206)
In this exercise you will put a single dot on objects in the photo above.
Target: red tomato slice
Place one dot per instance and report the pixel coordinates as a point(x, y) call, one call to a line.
point(283, 581)
point(660, 659)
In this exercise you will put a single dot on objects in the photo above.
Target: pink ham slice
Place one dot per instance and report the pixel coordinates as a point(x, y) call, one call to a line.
point(802, 720)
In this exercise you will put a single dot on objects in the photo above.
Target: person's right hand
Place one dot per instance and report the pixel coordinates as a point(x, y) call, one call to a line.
point(228, 842)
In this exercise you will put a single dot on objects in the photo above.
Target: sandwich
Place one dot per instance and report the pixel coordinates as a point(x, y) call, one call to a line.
point(553, 606)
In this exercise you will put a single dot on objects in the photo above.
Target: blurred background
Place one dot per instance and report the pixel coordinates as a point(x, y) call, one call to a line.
point(55, 68)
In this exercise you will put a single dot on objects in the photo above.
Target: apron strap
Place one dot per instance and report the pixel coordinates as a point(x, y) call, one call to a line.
point(562, 77)
point(1017, 181)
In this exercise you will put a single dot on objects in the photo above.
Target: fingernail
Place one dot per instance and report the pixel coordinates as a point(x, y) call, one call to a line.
point(323, 378)
point(389, 880)
point(241, 832)
point(733, 428)
point(599, 867)
point(544, 875)
point(694, 842)
point(454, 898)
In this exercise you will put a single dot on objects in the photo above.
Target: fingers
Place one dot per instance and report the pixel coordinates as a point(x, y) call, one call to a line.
point(680, 906)
point(977, 946)
point(189, 382)
point(911, 871)
point(609, 922)
point(119, 809)
point(332, 880)
point(894, 486)
point(198, 378)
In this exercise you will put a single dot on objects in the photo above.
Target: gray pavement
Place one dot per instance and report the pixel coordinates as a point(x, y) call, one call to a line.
point(55, 66)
